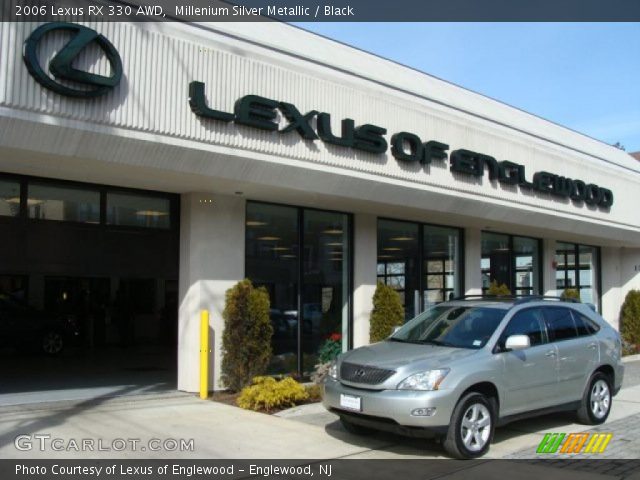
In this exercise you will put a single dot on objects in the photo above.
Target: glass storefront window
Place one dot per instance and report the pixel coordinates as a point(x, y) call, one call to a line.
point(14, 287)
point(302, 258)
point(9, 198)
point(526, 257)
point(398, 262)
point(512, 261)
point(441, 254)
point(581, 275)
point(325, 282)
point(134, 210)
point(421, 262)
point(496, 260)
point(272, 261)
point(52, 202)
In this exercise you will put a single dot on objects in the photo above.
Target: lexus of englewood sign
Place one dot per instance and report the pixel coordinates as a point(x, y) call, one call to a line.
point(259, 112)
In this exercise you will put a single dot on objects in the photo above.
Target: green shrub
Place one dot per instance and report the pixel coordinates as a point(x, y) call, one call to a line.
point(570, 293)
point(314, 392)
point(246, 341)
point(267, 393)
point(498, 290)
point(630, 319)
point(330, 348)
point(387, 313)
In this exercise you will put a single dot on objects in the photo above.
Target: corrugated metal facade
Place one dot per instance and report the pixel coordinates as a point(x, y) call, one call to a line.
point(160, 60)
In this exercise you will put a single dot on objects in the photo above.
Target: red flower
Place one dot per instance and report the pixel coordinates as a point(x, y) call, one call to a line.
point(335, 337)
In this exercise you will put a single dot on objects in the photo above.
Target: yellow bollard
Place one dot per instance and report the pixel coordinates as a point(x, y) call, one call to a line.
point(204, 354)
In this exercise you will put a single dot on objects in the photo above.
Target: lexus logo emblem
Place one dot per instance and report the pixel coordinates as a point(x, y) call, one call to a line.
point(61, 65)
point(359, 373)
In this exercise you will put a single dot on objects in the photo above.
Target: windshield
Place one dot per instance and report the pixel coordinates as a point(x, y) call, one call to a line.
point(452, 326)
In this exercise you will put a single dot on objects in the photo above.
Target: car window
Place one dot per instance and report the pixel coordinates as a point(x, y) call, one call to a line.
point(452, 326)
point(526, 322)
point(560, 323)
point(584, 325)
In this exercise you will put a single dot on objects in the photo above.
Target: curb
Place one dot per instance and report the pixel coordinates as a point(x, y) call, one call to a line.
point(631, 358)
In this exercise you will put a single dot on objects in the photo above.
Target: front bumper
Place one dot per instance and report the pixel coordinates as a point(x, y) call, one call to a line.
point(392, 406)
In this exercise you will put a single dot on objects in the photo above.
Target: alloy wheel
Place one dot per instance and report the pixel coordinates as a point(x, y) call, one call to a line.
point(475, 428)
point(52, 343)
point(600, 399)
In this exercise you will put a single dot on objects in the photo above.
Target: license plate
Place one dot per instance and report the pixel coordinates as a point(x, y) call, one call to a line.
point(351, 402)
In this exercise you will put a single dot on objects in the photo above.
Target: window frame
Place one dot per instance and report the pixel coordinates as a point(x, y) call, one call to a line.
point(512, 261)
point(597, 288)
point(549, 326)
point(422, 272)
point(56, 185)
point(546, 338)
point(26, 180)
point(591, 325)
point(23, 200)
point(136, 193)
point(300, 274)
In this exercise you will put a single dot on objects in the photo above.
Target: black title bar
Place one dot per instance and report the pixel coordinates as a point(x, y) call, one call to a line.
point(322, 10)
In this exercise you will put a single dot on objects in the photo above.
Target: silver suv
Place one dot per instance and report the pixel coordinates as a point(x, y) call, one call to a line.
point(462, 367)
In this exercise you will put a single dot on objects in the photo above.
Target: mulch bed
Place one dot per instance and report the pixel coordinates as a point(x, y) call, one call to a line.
point(228, 398)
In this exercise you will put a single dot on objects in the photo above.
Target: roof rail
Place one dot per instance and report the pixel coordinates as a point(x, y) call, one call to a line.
point(518, 299)
point(533, 298)
point(486, 297)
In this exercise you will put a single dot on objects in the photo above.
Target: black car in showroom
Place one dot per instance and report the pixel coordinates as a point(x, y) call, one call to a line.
point(24, 327)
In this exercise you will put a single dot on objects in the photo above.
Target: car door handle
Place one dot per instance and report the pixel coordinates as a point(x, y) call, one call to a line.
point(550, 353)
point(593, 345)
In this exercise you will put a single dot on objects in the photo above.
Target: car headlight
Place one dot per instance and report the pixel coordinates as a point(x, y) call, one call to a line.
point(333, 370)
point(429, 380)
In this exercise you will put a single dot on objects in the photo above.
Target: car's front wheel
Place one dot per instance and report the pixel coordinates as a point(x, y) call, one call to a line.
point(596, 401)
point(471, 429)
point(52, 343)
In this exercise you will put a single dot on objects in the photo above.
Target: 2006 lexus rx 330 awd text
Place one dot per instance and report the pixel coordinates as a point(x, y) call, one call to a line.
point(464, 366)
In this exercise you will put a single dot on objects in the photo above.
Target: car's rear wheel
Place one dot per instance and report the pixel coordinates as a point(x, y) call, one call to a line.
point(471, 429)
point(596, 401)
point(355, 428)
point(52, 343)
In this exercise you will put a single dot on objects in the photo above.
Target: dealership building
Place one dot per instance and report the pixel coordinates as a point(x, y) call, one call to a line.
point(145, 168)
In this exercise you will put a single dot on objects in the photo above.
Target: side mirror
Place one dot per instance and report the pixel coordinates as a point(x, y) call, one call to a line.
point(517, 342)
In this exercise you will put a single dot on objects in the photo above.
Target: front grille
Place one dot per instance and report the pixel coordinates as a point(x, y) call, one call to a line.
point(352, 372)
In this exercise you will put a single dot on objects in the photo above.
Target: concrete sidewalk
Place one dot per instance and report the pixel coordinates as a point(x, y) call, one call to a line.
point(226, 432)
point(222, 431)
point(217, 430)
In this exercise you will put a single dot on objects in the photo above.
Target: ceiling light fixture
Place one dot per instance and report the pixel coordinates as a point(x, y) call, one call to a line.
point(402, 238)
point(30, 201)
point(152, 213)
point(268, 238)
